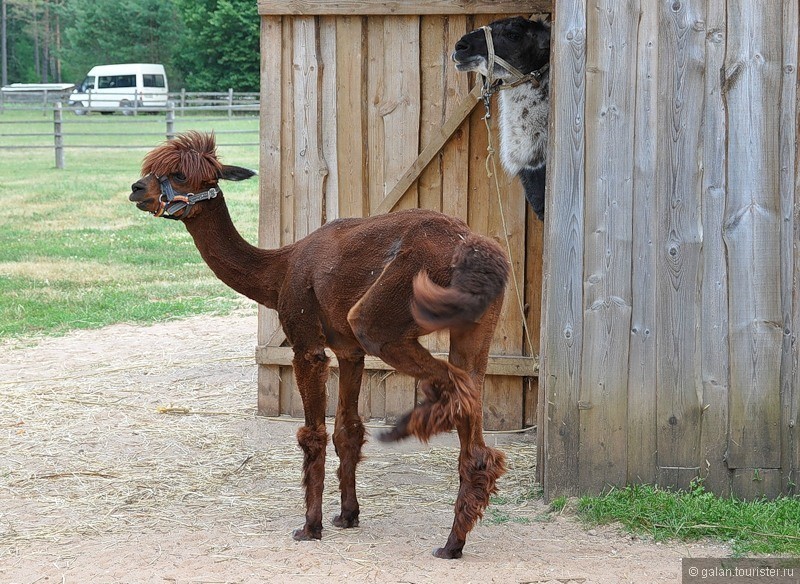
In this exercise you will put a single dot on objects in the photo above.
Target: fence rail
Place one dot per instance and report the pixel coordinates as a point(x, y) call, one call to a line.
point(61, 130)
point(185, 101)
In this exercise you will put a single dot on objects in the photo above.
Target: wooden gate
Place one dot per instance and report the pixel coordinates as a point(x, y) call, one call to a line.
point(363, 113)
point(671, 279)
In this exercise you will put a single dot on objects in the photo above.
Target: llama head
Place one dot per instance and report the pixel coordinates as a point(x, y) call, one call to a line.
point(524, 43)
point(181, 176)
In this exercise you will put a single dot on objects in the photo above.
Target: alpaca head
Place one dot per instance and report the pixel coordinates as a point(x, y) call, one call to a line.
point(181, 176)
point(524, 43)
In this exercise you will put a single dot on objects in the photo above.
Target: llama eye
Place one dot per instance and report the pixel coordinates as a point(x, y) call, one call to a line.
point(179, 177)
point(514, 36)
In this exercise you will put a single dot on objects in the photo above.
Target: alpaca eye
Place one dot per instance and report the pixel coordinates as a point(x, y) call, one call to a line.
point(514, 36)
point(179, 177)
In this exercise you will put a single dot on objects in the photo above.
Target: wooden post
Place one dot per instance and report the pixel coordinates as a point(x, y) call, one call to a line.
point(170, 120)
point(230, 102)
point(183, 98)
point(58, 135)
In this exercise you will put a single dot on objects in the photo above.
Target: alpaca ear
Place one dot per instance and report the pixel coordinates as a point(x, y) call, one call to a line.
point(229, 172)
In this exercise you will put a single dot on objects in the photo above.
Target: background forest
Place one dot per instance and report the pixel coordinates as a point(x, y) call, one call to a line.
point(205, 45)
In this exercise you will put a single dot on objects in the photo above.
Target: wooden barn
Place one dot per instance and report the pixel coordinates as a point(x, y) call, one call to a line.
point(669, 291)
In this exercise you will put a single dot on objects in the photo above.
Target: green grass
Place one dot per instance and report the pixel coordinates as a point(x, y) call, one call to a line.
point(75, 253)
point(750, 527)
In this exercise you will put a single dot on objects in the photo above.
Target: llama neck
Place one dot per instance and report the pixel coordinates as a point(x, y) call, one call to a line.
point(254, 272)
point(523, 125)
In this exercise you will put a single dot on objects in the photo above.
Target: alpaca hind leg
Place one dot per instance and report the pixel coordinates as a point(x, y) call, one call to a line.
point(479, 466)
point(449, 392)
point(348, 437)
point(446, 402)
point(384, 327)
point(311, 373)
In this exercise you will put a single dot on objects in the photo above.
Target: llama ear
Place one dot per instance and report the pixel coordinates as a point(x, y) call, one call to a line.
point(229, 172)
point(547, 21)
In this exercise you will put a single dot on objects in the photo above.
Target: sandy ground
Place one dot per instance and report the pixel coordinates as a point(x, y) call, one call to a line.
point(133, 454)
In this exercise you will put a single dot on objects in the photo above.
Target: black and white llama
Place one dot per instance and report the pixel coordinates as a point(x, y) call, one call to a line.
point(520, 52)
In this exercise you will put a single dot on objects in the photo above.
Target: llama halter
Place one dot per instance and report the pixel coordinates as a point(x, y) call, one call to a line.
point(492, 85)
point(170, 201)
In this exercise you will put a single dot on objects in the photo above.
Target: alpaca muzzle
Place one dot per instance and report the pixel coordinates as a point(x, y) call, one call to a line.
point(171, 202)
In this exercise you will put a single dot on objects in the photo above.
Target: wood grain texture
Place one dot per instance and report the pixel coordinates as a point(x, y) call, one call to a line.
point(376, 139)
point(400, 7)
point(534, 242)
point(504, 365)
point(455, 154)
point(287, 132)
point(756, 483)
point(432, 64)
point(679, 236)
point(270, 195)
point(752, 90)
point(607, 297)
point(642, 385)
point(310, 168)
point(399, 108)
point(714, 294)
point(351, 89)
point(562, 337)
point(405, 182)
point(329, 116)
point(790, 261)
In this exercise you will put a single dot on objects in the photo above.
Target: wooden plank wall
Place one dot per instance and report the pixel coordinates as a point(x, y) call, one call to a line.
point(670, 280)
point(352, 93)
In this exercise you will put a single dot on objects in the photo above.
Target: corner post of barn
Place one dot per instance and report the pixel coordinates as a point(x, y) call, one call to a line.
point(671, 269)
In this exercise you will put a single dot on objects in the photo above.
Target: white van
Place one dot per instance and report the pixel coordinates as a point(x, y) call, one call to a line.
point(124, 87)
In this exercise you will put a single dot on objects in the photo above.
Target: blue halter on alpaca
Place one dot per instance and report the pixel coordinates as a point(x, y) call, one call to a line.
point(172, 201)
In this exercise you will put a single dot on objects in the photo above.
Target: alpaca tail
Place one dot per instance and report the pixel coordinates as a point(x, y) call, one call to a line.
point(480, 273)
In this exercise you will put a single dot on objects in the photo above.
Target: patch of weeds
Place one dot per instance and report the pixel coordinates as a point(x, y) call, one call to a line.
point(750, 527)
point(558, 504)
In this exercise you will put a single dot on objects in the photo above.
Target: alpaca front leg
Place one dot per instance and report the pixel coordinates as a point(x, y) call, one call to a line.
point(348, 437)
point(311, 372)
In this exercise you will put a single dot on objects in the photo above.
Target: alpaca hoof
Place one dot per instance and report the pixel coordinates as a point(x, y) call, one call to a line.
point(392, 435)
point(399, 432)
point(345, 522)
point(304, 534)
point(446, 554)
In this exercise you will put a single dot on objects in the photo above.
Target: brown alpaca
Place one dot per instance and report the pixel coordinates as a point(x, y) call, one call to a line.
point(359, 286)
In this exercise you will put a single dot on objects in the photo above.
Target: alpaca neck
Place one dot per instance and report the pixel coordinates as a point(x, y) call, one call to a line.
point(254, 272)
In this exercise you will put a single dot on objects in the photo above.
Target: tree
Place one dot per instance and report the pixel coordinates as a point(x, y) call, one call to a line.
point(3, 43)
point(205, 45)
point(23, 36)
point(109, 31)
point(221, 46)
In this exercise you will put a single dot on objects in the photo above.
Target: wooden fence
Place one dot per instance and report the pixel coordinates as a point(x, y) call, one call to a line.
point(64, 133)
point(671, 279)
point(184, 101)
point(364, 113)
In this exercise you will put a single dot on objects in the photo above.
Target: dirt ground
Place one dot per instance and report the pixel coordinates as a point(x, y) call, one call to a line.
point(133, 454)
